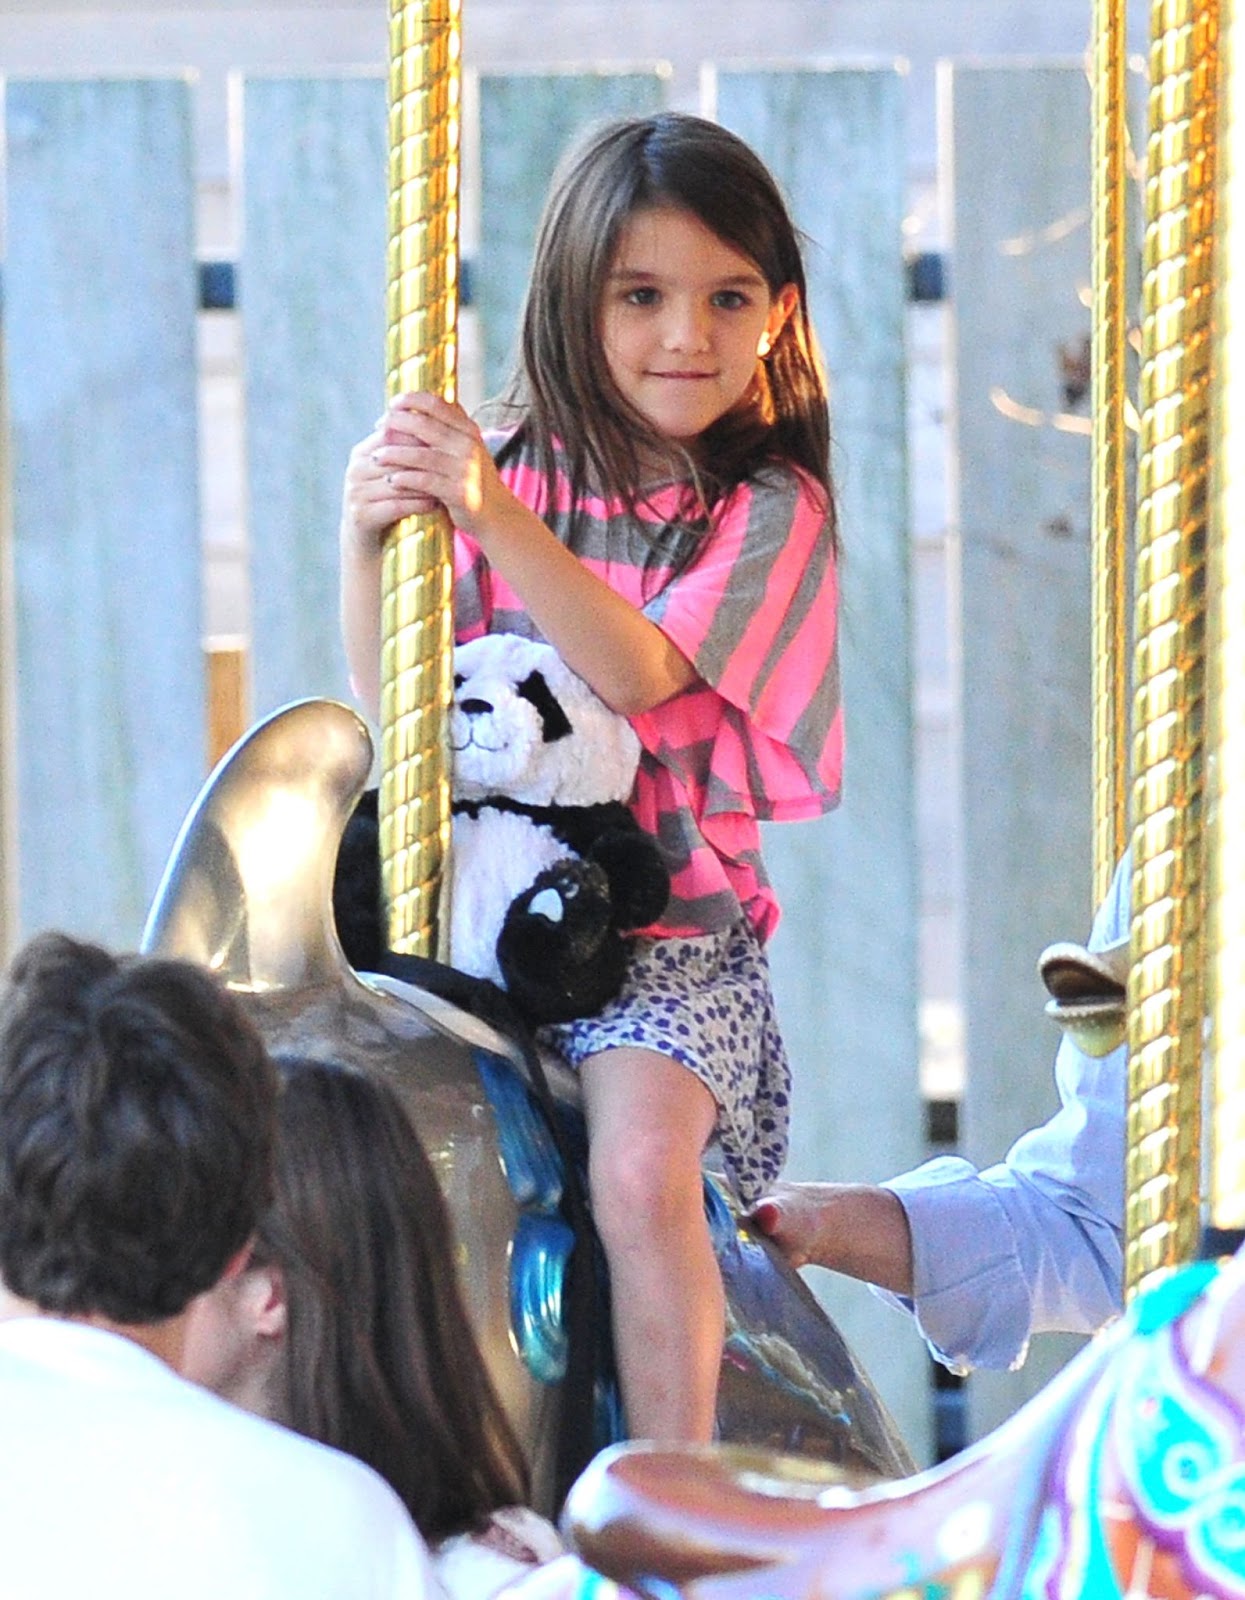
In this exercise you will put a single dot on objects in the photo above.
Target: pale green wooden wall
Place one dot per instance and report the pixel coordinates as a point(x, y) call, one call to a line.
point(311, 168)
point(1016, 179)
point(105, 674)
point(100, 300)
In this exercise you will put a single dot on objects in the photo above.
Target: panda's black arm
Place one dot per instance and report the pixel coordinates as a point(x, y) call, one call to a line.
point(638, 877)
point(632, 861)
point(579, 827)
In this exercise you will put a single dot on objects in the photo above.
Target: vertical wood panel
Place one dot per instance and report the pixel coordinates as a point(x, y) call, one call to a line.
point(526, 121)
point(228, 712)
point(845, 956)
point(1016, 164)
point(100, 298)
point(312, 298)
point(8, 680)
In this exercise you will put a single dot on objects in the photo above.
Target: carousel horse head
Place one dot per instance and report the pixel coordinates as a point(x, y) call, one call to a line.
point(1088, 993)
point(1124, 1478)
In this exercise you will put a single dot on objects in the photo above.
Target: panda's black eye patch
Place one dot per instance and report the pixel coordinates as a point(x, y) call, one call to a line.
point(459, 680)
point(553, 719)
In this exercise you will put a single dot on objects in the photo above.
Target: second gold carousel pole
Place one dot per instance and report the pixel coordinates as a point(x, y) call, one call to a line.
point(1224, 1199)
point(416, 620)
point(1110, 441)
point(1166, 987)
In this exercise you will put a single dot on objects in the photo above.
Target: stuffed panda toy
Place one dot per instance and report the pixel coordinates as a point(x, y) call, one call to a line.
point(550, 869)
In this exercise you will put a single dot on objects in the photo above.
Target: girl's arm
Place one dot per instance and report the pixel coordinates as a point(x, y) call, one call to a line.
point(430, 452)
point(360, 614)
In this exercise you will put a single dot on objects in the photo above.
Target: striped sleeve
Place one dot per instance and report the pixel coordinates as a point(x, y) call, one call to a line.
point(756, 614)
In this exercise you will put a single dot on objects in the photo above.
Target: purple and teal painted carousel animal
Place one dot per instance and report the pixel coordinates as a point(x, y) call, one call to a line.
point(1123, 1480)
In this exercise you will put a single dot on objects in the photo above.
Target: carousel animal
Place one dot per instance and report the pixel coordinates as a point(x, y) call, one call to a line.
point(248, 891)
point(1124, 1477)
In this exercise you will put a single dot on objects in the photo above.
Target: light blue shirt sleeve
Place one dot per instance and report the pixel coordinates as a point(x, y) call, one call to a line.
point(1035, 1243)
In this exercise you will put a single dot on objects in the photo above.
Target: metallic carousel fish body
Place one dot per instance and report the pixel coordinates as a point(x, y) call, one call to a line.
point(248, 893)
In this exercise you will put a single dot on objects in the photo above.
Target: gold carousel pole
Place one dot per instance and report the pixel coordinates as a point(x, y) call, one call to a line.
point(1109, 518)
point(416, 621)
point(1166, 987)
point(1224, 1207)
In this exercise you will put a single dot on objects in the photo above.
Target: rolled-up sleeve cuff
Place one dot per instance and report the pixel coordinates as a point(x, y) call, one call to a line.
point(970, 1298)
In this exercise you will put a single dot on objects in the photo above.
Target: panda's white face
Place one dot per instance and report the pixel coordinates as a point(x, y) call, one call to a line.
point(523, 725)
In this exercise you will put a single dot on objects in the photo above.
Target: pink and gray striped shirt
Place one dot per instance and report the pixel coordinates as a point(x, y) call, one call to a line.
point(760, 736)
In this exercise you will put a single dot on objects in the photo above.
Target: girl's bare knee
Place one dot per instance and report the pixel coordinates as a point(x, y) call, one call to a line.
point(640, 1190)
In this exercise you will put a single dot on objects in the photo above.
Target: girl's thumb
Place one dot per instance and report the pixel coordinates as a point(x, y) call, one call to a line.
point(766, 1215)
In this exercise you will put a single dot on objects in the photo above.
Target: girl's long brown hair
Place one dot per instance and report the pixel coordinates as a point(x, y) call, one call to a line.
point(562, 389)
point(380, 1359)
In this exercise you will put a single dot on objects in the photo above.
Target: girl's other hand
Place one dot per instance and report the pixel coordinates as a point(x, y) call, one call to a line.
point(372, 499)
point(430, 452)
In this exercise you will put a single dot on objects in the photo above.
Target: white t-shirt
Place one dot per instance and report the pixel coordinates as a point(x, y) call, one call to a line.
point(121, 1481)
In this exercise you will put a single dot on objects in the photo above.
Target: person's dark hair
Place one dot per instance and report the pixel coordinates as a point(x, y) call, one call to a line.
point(562, 387)
point(380, 1359)
point(136, 1129)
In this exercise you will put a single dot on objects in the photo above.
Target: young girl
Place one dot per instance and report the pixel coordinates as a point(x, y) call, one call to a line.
point(658, 507)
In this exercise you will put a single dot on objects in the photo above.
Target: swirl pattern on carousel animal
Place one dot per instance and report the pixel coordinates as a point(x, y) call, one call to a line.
point(1124, 1480)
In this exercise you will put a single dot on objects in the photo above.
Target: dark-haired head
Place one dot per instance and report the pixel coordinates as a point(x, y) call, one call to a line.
point(136, 1128)
point(563, 386)
point(379, 1357)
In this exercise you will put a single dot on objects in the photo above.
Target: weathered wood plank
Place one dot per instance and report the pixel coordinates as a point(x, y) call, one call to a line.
point(845, 957)
point(100, 305)
point(526, 121)
point(312, 301)
point(8, 678)
point(1017, 169)
point(228, 712)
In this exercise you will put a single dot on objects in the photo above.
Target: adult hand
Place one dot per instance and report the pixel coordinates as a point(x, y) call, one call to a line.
point(855, 1228)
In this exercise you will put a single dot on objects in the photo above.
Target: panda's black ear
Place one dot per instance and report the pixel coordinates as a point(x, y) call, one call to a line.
point(553, 719)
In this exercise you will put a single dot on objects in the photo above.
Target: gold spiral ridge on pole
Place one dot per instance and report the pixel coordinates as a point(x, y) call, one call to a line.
point(1224, 1201)
point(416, 579)
point(1109, 488)
point(1166, 988)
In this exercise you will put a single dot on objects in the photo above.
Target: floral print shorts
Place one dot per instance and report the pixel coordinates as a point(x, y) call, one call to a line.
point(705, 1002)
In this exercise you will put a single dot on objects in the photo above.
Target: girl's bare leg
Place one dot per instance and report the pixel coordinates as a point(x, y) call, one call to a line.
point(649, 1120)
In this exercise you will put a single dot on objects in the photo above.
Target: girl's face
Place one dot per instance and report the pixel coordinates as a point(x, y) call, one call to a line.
point(684, 317)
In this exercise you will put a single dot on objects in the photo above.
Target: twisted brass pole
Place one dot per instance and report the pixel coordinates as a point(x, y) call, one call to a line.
point(1109, 497)
point(1166, 989)
point(1224, 1206)
point(416, 621)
